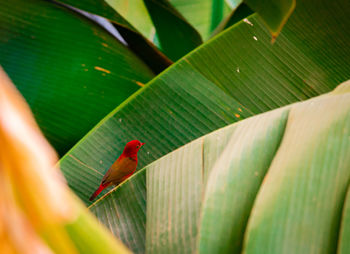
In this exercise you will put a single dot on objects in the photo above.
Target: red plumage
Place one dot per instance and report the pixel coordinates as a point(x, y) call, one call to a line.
point(122, 168)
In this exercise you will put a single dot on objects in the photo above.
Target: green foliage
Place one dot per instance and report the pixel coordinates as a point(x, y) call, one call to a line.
point(204, 15)
point(344, 233)
point(229, 78)
point(125, 212)
point(71, 71)
point(275, 13)
point(210, 183)
point(176, 36)
point(230, 191)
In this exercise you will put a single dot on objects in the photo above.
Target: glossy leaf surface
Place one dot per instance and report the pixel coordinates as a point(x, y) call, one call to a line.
point(235, 75)
point(71, 71)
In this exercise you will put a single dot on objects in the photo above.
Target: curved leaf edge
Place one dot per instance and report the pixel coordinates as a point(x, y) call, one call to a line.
point(142, 89)
point(341, 89)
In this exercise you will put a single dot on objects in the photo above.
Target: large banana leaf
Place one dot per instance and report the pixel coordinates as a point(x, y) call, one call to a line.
point(234, 178)
point(234, 75)
point(276, 181)
point(125, 213)
point(71, 72)
point(299, 205)
point(175, 186)
point(177, 113)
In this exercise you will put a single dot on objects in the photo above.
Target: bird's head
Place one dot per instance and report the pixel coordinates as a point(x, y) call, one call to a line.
point(132, 147)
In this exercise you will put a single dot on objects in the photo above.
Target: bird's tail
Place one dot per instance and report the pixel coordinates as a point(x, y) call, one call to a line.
point(98, 191)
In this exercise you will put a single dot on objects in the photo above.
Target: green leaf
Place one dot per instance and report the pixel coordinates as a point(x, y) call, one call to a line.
point(71, 71)
point(218, 13)
point(176, 36)
point(299, 205)
point(101, 8)
point(135, 12)
point(284, 170)
point(204, 15)
point(262, 76)
point(178, 112)
point(176, 182)
point(344, 233)
point(275, 13)
point(174, 186)
point(125, 213)
point(241, 12)
point(235, 179)
point(156, 60)
point(89, 237)
point(210, 87)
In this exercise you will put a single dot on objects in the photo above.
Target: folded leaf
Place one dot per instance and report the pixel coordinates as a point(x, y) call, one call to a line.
point(235, 179)
point(299, 205)
point(270, 172)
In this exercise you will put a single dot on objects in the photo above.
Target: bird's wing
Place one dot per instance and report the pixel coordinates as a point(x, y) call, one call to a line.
point(120, 168)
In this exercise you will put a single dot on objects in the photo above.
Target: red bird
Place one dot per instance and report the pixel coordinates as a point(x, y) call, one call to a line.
point(122, 168)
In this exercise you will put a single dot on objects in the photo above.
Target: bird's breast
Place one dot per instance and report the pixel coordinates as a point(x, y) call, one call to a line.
point(125, 164)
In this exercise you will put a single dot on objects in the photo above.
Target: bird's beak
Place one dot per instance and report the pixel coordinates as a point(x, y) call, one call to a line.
point(142, 144)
